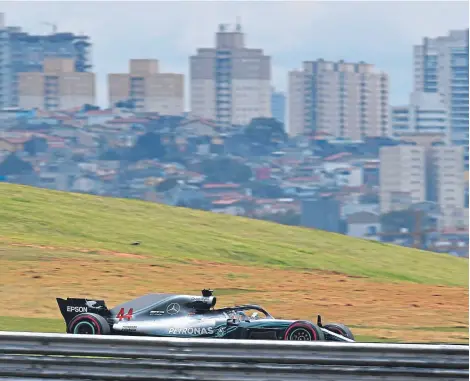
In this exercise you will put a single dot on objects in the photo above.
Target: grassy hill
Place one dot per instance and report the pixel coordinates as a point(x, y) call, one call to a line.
point(67, 220)
point(63, 244)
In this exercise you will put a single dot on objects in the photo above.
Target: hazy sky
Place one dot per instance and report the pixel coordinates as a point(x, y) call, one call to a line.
point(379, 32)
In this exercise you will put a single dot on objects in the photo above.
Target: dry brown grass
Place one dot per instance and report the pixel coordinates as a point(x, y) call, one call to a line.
point(393, 311)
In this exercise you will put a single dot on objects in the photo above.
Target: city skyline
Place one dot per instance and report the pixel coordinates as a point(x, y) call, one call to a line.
point(377, 35)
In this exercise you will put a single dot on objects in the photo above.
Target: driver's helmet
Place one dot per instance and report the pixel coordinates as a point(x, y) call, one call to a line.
point(241, 315)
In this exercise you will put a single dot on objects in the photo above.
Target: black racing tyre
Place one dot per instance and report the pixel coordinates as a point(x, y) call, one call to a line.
point(303, 331)
point(340, 329)
point(88, 324)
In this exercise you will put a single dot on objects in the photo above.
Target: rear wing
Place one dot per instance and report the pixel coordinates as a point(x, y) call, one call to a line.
point(71, 307)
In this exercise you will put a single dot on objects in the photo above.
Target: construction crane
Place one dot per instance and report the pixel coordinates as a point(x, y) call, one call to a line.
point(418, 234)
point(54, 26)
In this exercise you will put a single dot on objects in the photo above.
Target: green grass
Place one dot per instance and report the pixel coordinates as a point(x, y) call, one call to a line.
point(70, 221)
point(22, 324)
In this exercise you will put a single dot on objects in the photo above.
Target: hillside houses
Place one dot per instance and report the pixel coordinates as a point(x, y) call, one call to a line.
point(89, 151)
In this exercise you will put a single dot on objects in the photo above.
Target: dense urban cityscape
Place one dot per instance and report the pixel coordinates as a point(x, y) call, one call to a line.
point(332, 153)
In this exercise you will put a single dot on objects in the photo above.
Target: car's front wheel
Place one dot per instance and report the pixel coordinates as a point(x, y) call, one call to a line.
point(340, 329)
point(88, 324)
point(303, 331)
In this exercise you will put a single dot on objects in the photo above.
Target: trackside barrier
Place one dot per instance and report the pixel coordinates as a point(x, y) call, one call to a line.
point(43, 357)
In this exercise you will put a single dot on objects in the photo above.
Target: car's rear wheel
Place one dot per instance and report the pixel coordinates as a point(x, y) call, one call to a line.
point(340, 329)
point(88, 324)
point(303, 331)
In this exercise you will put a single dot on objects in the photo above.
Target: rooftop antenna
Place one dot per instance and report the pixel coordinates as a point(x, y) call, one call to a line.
point(54, 26)
point(238, 27)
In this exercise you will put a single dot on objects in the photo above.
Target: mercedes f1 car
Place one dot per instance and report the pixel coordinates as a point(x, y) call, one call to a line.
point(173, 315)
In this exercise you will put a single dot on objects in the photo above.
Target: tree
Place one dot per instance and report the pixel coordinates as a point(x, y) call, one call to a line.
point(111, 154)
point(413, 221)
point(225, 169)
point(78, 157)
point(35, 145)
point(369, 198)
point(266, 131)
point(127, 103)
point(266, 190)
point(286, 218)
point(88, 107)
point(148, 146)
point(166, 185)
point(195, 203)
point(13, 165)
point(394, 221)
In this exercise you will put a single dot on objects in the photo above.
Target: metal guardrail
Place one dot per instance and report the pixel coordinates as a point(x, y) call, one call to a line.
point(43, 357)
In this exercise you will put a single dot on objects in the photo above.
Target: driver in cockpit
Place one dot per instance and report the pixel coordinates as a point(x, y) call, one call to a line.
point(242, 316)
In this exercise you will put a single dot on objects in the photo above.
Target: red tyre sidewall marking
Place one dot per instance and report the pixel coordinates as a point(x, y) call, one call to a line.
point(338, 331)
point(79, 318)
point(301, 325)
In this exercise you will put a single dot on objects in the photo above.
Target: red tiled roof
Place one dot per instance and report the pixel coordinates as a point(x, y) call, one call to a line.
point(224, 195)
point(99, 112)
point(193, 174)
point(264, 201)
point(303, 179)
point(226, 201)
point(62, 117)
point(107, 177)
point(200, 120)
point(454, 231)
point(218, 186)
point(337, 156)
point(51, 139)
point(15, 140)
point(56, 144)
point(128, 120)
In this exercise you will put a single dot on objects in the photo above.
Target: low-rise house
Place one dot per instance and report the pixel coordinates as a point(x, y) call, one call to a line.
point(197, 128)
point(55, 180)
point(30, 179)
point(234, 207)
point(349, 176)
point(276, 206)
point(217, 188)
point(87, 184)
point(12, 144)
point(97, 117)
point(57, 174)
point(364, 225)
point(185, 194)
point(194, 178)
point(349, 208)
point(127, 124)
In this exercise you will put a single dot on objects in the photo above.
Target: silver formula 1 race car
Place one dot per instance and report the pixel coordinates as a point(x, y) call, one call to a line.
point(173, 315)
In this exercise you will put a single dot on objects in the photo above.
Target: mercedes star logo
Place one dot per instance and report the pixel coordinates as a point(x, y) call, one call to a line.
point(173, 308)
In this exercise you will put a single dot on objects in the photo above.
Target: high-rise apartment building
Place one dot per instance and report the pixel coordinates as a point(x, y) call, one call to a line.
point(441, 66)
point(296, 102)
point(230, 83)
point(447, 185)
point(426, 113)
point(57, 87)
point(278, 105)
point(150, 90)
point(347, 100)
point(402, 177)
point(25, 52)
point(425, 169)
